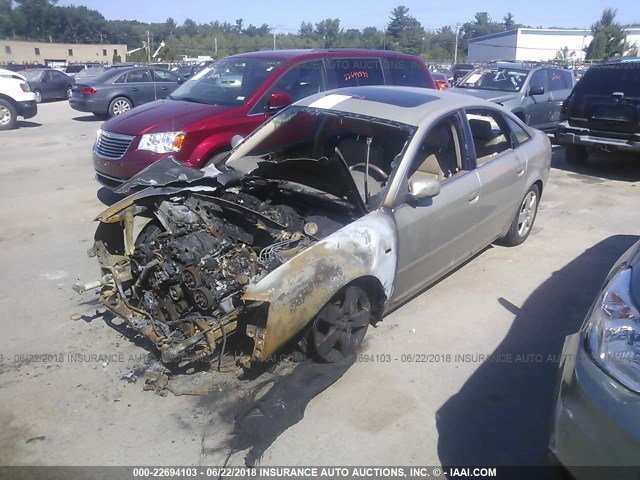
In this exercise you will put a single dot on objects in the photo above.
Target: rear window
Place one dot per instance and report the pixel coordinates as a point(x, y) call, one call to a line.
point(349, 72)
point(605, 80)
point(405, 72)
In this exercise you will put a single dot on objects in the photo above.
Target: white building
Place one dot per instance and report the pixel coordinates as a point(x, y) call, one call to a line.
point(536, 44)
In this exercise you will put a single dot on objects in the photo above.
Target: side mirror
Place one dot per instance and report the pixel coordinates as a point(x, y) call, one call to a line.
point(421, 187)
point(537, 90)
point(278, 100)
point(236, 140)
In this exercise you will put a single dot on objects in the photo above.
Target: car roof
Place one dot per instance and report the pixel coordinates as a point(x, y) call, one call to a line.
point(320, 53)
point(409, 105)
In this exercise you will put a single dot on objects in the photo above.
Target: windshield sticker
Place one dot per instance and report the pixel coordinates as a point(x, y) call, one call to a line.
point(329, 101)
point(352, 75)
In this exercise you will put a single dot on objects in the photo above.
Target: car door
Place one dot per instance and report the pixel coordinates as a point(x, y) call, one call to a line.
point(539, 107)
point(140, 86)
point(436, 234)
point(58, 83)
point(560, 84)
point(501, 168)
point(166, 82)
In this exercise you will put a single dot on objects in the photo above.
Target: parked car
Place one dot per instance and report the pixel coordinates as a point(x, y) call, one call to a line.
point(535, 95)
point(334, 211)
point(440, 80)
point(16, 99)
point(460, 70)
point(186, 71)
point(117, 90)
point(597, 412)
point(234, 96)
point(602, 112)
point(48, 83)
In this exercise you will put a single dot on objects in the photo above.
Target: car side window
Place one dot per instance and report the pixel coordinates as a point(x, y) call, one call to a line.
point(139, 76)
point(299, 81)
point(490, 134)
point(440, 153)
point(568, 78)
point(162, 76)
point(538, 79)
point(556, 80)
point(517, 134)
point(350, 72)
point(409, 73)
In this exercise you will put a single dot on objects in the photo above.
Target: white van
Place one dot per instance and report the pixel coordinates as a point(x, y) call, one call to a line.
point(16, 99)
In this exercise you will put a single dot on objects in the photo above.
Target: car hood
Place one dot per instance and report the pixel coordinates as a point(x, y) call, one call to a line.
point(327, 175)
point(491, 95)
point(10, 74)
point(162, 116)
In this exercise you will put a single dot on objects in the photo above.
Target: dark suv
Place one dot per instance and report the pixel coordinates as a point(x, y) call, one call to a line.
point(602, 112)
point(196, 123)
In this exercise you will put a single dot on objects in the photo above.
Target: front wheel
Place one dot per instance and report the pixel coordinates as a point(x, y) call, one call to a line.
point(38, 96)
point(525, 216)
point(69, 92)
point(119, 105)
point(339, 328)
point(8, 115)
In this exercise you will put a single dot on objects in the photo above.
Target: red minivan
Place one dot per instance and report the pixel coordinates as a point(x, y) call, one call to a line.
point(233, 96)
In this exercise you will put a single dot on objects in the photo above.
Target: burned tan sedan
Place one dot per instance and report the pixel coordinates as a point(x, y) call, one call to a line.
point(333, 212)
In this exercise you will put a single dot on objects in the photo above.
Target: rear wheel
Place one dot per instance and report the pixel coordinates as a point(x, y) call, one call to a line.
point(525, 216)
point(8, 115)
point(69, 91)
point(576, 154)
point(339, 328)
point(119, 105)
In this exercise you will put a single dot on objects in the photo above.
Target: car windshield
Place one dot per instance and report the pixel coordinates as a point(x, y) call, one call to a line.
point(228, 82)
point(313, 133)
point(498, 78)
point(31, 74)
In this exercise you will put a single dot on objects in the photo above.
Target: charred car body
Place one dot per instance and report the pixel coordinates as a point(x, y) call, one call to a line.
point(334, 211)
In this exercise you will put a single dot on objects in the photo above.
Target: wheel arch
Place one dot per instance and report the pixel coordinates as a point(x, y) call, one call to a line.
point(9, 99)
point(133, 104)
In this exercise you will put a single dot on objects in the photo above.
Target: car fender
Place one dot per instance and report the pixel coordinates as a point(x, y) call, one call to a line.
point(298, 289)
point(211, 145)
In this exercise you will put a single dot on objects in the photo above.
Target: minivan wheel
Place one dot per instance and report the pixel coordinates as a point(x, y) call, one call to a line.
point(8, 115)
point(119, 105)
point(576, 154)
point(522, 223)
point(339, 328)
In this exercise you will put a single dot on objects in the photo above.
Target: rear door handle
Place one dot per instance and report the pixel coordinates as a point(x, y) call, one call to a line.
point(521, 172)
point(134, 89)
point(473, 198)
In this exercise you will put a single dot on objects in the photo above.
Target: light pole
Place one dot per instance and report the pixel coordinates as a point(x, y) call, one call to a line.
point(455, 49)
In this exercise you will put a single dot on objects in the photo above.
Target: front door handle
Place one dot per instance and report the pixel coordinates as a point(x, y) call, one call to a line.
point(134, 89)
point(473, 198)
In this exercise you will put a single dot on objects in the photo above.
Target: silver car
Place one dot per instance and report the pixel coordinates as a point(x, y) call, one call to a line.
point(332, 213)
point(597, 414)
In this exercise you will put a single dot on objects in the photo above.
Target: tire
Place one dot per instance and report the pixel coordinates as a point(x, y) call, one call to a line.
point(38, 96)
point(69, 92)
point(149, 232)
point(522, 223)
point(216, 157)
point(8, 115)
point(576, 154)
point(339, 328)
point(119, 105)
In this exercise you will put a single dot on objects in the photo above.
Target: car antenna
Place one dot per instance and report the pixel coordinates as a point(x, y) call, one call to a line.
point(366, 171)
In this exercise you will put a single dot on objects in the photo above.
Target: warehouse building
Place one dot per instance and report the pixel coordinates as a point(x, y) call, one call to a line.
point(536, 44)
point(13, 51)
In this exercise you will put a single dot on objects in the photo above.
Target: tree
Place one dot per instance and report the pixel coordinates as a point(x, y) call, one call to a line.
point(564, 55)
point(190, 27)
point(609, 39)
point(330, 31)
point(405, 31)
point(508, 22)
point(239, 25)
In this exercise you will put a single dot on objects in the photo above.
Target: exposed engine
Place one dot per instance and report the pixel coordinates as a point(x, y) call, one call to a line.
point(193, 261)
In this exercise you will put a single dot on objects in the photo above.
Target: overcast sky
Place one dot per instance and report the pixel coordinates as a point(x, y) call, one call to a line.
point(288, 14)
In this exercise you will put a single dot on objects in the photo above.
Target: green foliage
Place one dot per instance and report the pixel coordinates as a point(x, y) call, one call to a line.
point(405, 32)
point(609, 39)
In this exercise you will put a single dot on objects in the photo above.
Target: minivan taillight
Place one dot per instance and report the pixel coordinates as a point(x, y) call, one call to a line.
point(564, 110)
point(89, 90)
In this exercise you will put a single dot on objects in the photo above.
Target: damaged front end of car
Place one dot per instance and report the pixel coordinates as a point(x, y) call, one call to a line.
point(220, 266)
